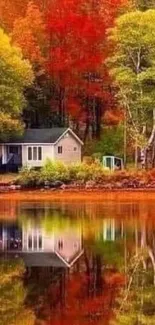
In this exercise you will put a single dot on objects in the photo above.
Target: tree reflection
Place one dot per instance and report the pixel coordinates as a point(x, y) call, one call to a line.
point(12, 295)
point(111, 281)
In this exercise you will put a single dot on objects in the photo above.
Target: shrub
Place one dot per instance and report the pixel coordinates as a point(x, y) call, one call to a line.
point(28, 177)
point(86, 172)
point(151, 175)
point(53, 171)
point(57, 171)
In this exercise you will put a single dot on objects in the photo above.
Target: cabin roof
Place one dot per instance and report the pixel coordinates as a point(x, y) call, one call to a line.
point(41, 136)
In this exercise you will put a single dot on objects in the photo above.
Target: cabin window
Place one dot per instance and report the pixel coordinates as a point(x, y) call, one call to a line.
point(60, 149)
point(39, 153)
point(29, 153)
point(34, 153)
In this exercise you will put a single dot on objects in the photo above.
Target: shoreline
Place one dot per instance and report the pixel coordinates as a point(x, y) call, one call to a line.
point(79, 195)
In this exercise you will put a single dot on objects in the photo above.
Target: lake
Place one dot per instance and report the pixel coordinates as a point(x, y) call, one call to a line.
point(77, 263)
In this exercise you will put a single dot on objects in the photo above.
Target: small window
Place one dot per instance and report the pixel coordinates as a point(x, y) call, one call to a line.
point(60, 149)
point(29, 153)
point(75, 148)
point(39, 153)
point(34, 153)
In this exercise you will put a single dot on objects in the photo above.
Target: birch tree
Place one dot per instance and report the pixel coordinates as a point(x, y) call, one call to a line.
point(132, 66)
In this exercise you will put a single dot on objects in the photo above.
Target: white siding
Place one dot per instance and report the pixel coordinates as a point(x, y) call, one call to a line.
point(68, 155)
point(47, 152)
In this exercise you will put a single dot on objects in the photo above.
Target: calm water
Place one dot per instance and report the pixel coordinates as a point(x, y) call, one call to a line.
point(76, 256)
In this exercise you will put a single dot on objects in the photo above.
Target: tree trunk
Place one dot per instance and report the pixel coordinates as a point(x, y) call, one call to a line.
point(125, 138)
point(86, 132)
point(136, 154)
point(62, 106)
point(151, 143)
point(98, 119)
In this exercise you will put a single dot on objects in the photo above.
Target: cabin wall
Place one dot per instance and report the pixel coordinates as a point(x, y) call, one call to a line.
point(71, 150)
point(47, 153)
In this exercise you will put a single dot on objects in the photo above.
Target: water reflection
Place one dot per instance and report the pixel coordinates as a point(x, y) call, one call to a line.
point(76, 256)
point(38, 247)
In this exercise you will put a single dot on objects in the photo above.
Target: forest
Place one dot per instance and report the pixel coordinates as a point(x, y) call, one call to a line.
point(86, 64)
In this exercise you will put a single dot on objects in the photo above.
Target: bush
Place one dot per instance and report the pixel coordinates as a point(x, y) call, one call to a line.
point(57, 171)
point(93, 172)
point(28, 177)
point(54, 171)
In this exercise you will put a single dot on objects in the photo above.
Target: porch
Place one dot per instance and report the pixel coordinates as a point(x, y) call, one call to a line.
point(10, 158)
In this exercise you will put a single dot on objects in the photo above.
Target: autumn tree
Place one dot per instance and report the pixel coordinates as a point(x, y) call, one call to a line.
point(34, 44)
point(77, 33)
point(16, 74)
point(32, 38)
point(71, 38)
point(11, 10)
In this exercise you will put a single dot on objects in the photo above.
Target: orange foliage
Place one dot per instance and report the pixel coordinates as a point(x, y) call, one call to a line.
point(113, 117)
point(29, 33)
point(11, 10)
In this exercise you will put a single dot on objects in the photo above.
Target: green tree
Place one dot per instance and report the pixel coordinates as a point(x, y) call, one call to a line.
point(111, 142)
point(132, 66)
point(16, 74)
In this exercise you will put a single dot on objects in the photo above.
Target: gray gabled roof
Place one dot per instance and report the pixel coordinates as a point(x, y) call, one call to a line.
point(39, 136)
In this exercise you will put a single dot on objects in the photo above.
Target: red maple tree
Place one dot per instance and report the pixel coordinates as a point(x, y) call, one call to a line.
point(77, 52)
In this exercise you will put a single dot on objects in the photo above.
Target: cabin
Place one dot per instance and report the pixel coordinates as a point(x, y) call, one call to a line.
point(35, 146)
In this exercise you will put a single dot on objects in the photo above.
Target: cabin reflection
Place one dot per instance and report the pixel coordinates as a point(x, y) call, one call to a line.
point(40, 248)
